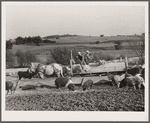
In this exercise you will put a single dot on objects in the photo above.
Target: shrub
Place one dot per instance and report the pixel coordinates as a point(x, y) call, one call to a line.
point(10, 59)
point(122, 56)
point(118, 45)
point(62, 55)
point(25, 58)
point(97, 42)
point(9, 45)
point(50, 60)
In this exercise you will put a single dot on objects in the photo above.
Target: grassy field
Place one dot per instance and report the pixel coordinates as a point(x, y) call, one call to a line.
point(81, 43)
point(93, 39)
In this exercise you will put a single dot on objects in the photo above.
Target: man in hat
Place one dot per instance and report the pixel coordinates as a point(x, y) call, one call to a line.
point(81, 59)
point(87, 57)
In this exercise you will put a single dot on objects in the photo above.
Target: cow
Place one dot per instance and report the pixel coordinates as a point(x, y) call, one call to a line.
point(25, 74)
point(133, 81)
point(87, 85)
point(64, 82)
point(11, 86)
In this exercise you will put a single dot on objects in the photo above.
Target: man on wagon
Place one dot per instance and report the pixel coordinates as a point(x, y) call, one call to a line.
point(81, 59)
point(87, 57)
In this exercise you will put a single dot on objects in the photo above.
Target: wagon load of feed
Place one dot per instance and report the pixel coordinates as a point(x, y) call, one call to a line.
point(79, 69)
point(101, 62)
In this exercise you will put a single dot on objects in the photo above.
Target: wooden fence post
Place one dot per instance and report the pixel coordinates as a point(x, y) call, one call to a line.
point(126, 63)
point(71, 64)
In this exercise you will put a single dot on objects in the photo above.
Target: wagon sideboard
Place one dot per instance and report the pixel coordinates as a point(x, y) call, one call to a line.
point(95, 68)
point(108, 67)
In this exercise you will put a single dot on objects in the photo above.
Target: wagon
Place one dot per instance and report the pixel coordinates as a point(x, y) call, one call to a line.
point(118, 67)
point(114, 66)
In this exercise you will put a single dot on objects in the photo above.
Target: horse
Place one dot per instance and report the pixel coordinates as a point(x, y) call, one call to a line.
point(46, 70)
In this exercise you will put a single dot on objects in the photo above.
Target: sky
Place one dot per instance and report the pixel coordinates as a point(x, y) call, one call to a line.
point(40, 19)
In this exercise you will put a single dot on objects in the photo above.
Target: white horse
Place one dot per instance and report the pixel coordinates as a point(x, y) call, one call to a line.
point(48, 70)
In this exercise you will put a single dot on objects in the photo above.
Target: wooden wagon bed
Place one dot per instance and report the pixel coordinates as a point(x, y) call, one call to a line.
point(111, 67)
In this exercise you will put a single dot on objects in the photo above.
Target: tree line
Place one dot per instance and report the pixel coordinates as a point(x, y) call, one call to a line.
point(27, 40)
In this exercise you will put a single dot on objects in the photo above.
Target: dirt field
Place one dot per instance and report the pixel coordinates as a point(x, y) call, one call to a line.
point(103, 97)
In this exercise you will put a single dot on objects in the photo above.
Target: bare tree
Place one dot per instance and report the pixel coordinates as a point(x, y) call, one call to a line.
point(138, 46)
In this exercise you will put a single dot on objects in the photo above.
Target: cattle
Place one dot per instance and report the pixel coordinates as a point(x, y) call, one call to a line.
point(134, 70)
point(87, 85)
point(64, 82)
point(25, 74)
point(132, 81)
point(11, 86)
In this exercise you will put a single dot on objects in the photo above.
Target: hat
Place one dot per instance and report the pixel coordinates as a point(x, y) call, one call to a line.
point(87, 51)
point(79, 53)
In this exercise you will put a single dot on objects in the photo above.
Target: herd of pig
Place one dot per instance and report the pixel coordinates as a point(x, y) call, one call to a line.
point(133, 77)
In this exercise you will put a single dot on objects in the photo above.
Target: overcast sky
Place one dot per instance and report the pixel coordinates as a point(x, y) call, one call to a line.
point(81, 19)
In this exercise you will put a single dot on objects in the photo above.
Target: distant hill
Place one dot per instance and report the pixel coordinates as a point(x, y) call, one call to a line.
point(92, 39)
point(58, 36)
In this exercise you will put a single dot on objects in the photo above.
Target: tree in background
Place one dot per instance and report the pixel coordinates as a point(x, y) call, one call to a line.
point(62, 55)
point(25, 58)
point(9, 44)
point(19, 40)
point(101, 35)
point(10, 59)
point(97, 42)
point(36, 40)
point(138, 46)
point(118, 45)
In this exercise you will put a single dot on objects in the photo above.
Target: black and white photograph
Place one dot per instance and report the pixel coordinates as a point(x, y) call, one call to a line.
point(75, 61)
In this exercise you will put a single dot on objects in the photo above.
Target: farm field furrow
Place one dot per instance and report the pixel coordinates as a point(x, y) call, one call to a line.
point(100, 98)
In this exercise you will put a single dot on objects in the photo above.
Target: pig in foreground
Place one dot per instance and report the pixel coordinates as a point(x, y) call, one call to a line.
point(87, 85)
point(65, 82)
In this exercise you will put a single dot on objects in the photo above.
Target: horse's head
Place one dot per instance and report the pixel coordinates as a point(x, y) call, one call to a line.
point(66, 71)
point(31, 69)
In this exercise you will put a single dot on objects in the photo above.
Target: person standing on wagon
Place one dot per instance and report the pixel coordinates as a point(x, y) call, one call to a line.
point(87, 57)
point(81, 59)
